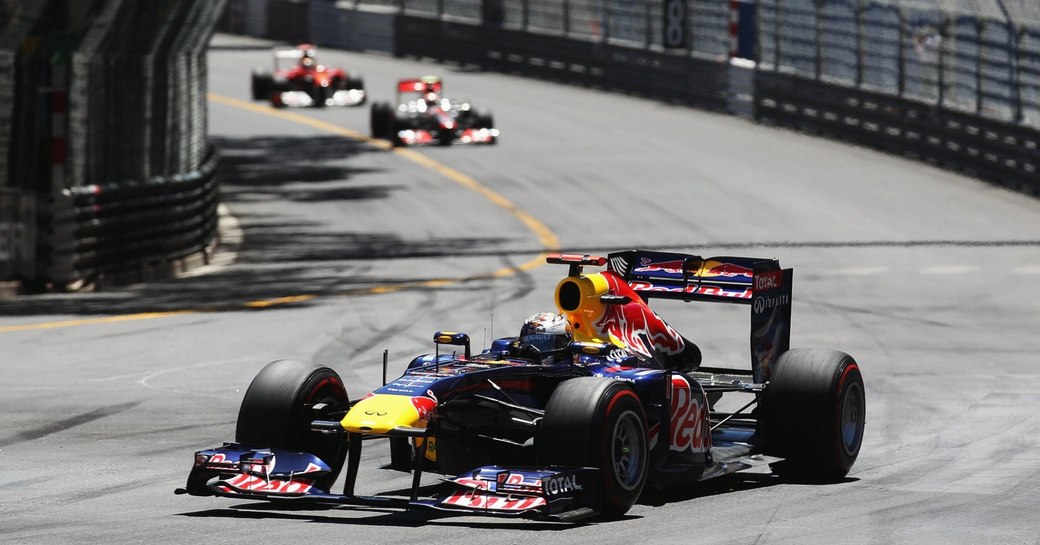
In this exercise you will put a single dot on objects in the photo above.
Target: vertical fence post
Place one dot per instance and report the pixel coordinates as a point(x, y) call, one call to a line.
point(566, 17)
point(860, 46)
point(688, 26)
point(58, 108)
point(776, 35)
point(941, 61)
point(734, 28)
point(978, 67)
point(648, 27)
point(1019, 36)
point(901, 58)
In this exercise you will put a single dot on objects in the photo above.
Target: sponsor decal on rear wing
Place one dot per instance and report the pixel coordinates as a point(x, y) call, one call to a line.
point(683, 276)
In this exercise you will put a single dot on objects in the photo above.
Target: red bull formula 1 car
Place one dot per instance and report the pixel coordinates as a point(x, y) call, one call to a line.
point(424, 116)
point(629, 406)
point(298, 80)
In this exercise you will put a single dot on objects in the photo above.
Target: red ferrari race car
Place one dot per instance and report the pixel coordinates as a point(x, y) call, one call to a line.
point(424, 116)
point(298, 80)
point(573, 417)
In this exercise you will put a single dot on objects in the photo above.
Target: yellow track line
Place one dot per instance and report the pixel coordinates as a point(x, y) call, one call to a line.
point(546, 237)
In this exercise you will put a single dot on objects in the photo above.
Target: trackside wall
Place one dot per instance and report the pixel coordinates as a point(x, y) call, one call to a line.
point(106, 141)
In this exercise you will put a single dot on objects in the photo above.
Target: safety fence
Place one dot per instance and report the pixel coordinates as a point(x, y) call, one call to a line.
point(931, 80)
point(110, 96)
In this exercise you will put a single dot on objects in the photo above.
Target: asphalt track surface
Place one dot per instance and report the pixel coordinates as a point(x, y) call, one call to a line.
point(336, 249)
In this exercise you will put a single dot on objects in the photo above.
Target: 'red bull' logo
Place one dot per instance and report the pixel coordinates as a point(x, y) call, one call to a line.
point(424, 406)
point(728, 270)
point(635, 321)
point(689, 418)
point(671, 267)
point(709, 269)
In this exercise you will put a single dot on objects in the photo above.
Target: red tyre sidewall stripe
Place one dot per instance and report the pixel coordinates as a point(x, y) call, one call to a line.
point(617, 397)
point(336, 383)
point(840, 451)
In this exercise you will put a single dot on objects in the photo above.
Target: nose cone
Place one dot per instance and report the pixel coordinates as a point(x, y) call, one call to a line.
point(380, 413)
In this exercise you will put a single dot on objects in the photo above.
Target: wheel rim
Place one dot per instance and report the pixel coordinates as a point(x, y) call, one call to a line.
point(328, 447)
point(852, 418)
point(628, 450)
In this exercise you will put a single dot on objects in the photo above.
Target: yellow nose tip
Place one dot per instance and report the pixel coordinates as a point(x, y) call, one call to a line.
point(380, 413)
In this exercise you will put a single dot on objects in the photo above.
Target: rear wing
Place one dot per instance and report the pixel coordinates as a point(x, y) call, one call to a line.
point(289, 56)
point(418, 85)
point(757, 282)
point(760, 283)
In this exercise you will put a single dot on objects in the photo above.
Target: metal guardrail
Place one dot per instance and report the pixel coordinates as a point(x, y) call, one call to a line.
point(115, 233)
point(980, 147)
point(106, 132)
point(17, 234)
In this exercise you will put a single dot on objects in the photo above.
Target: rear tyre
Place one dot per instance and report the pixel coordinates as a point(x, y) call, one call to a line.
point(597, 422)
point(814, 414)
point(487, 122)
point(260, 84)
point(279, 406)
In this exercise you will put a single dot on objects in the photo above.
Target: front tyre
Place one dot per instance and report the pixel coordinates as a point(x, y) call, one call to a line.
point(279, 406)
point(814, 413)
point(597, 422)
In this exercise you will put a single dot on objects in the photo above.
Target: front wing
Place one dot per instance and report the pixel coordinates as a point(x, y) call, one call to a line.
point(554, 493)
point(341, 97)
point(418, 137)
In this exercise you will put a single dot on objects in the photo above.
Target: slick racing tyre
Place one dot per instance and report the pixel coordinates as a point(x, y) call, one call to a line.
point(486, 121)
point(598, 422)
point(813, 414)
point(279, 406)
point(261, 83)
point(381, 120)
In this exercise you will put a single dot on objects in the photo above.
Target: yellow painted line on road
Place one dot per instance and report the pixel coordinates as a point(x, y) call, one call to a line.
point(546, 237)
point(93, 321)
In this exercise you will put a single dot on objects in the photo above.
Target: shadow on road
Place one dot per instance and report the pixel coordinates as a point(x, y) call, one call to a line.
point(289, 196)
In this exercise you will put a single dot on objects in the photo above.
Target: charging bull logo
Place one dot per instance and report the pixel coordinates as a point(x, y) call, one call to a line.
point(424, 406)
point(707, 270)
point(727, 270)
point(635, 321)
point(670, 267)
